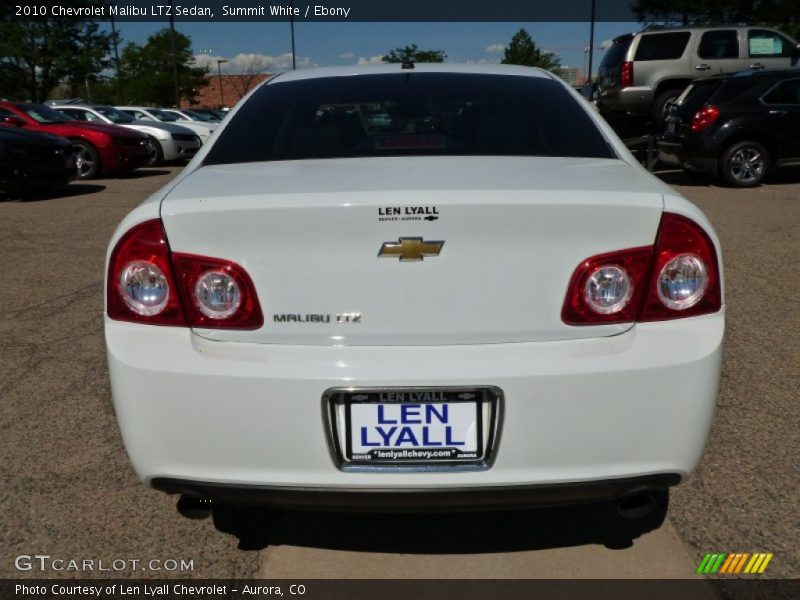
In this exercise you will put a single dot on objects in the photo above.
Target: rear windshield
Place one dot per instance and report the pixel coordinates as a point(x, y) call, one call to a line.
point(717, 91)
point(409, 114)
point(615, 54)
point(697, 94)
point(662, 46)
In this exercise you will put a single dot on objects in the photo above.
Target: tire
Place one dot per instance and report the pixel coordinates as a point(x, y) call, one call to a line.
point(744, 164)
point(156, 156)
point(87, 160)
point(661, 105)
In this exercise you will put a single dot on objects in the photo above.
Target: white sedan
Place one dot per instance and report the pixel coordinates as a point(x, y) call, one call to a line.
point(430, 286)
point(168, 141)
point(143, 113)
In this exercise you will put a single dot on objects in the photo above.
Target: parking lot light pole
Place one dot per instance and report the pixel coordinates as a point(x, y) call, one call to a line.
point(174, 57)
point(291, 26)
point(591, 43)
point(219, 74)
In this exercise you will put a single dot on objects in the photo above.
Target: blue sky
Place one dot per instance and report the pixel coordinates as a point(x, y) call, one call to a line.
point(326, 44)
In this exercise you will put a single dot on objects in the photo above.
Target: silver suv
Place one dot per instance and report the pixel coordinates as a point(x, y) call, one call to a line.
point(644, 72)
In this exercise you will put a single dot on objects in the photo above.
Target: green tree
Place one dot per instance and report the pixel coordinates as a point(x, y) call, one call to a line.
point(522, 50)
point(781, 14)
point(413, 54)
point(148, 70)
point(35, 56)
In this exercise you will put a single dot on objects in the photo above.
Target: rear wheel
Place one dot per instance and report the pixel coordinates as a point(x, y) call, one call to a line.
point(745, 164)
point(662, 104)
point(87, 161)
point(155, 154)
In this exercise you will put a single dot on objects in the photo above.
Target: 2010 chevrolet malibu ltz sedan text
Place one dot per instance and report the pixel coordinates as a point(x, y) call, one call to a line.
point(430, 286)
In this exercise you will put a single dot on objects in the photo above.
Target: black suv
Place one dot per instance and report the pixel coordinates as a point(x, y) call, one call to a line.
point(737, 127)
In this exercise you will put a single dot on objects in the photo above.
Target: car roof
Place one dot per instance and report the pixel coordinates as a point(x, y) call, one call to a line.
point(389, 68)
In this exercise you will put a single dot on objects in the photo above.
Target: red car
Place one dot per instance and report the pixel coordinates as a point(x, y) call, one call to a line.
point(99, 147)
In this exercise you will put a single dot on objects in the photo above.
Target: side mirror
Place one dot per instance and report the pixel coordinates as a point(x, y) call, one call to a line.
point(14, 121)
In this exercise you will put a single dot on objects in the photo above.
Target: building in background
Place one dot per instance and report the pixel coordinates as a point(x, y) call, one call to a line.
point(234, 88)
point(572, 75)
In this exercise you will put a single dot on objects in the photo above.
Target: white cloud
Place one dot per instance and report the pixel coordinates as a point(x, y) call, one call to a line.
point(372, 60)
point(347, 55)
point(249, 62)
point(495, 48)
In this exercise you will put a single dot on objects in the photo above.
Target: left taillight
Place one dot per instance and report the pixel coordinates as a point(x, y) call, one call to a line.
point(147, 283)
point(141, 286)
point(705, 118)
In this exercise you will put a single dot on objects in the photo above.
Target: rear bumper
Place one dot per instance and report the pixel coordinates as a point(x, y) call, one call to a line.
point(675, 154)
point(494, 497)
point(626, 406)
point(631, 99)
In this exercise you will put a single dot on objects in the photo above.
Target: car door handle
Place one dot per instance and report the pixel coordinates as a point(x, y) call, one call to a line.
point(703, 67)
point(778, 113)
point(756, 66)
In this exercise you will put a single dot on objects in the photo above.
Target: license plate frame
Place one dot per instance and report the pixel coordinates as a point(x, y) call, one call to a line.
point(337, 407)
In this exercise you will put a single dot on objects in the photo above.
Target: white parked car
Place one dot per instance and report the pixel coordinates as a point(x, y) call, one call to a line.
point(483, 302)
point(203, 130)
point(206, 116)
point(168, 141)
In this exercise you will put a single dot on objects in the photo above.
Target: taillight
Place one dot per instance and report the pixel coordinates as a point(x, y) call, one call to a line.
point(626, 74)
point(685, 274)
point(141, 287)
point(217, 293)
point(607, 288)
point(705, 118)
point(678, 277)
point(147, 283)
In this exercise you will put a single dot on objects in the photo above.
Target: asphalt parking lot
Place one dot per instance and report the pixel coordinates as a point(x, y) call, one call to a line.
point(68, 491)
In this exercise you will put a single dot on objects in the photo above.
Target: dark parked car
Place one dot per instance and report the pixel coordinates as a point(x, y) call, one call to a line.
point(100, 148)
point(31, 161)
point(737, 127)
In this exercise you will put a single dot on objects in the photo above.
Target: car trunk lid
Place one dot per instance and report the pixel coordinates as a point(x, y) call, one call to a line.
point(513, 231)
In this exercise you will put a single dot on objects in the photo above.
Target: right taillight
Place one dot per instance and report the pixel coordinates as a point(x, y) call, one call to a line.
point(626, 74)
point(677, 277)
point(149, 284)
point(704, 118)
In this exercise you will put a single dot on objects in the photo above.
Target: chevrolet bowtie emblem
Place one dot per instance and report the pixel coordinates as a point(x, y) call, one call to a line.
point(410, 249)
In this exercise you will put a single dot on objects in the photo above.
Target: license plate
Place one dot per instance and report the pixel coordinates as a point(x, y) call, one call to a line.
point(413, 426)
